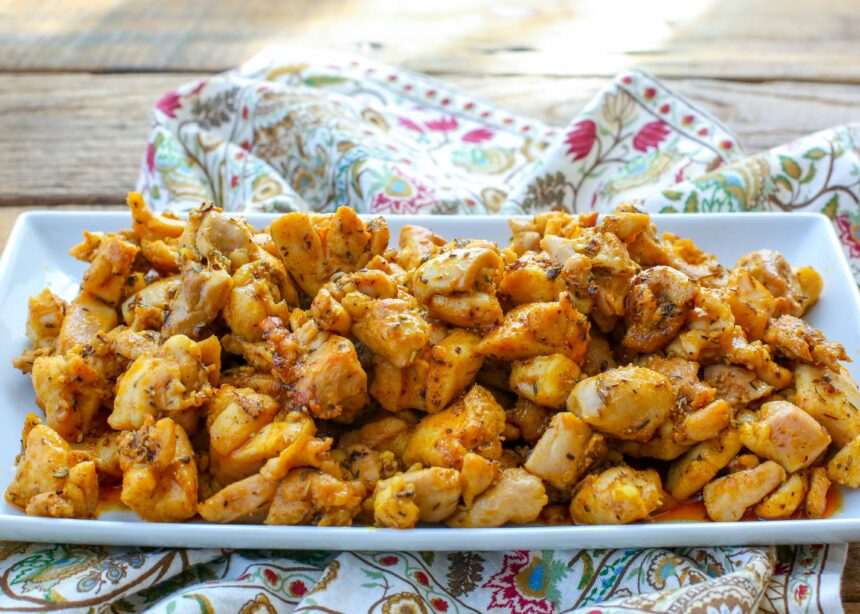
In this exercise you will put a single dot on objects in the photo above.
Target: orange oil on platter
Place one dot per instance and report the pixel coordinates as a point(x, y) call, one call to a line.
point(694, 511)
point(109, 500)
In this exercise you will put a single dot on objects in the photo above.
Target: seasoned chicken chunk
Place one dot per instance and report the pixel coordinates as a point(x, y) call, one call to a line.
point(420, 495)
point(832, 398)
point(159, 481)
point(786, 434)
point(66, 390)
point(85, 317)
point(703, 424)
point(109, 269)
point(147, 308)
point(539, 329)
point(130, 343)
point(844, 467)
point(532, 278)
point(795, 339)
point(218, 239)
point(736, 385)
point(756, 356)
point(628, 402)
point(708, 330)
point(688, 474)
point(657, 306)
point(472, 424)
point(379, 435)
point(751, 304)
point(771, 270)
point(157, 233)
point(565, 451)
point(816, 499)
point(727, 498)
point(369, 466)
point(476, 475)
point(598, 355)
point(310, 496)
point(619, 495)
point(811, 284)
point(180, 375)
point(530, 419)
point(517, 497)
point(51, 479)
point(545, 380)
point(417, 243)
point(258, 291)
point(201, 294)
point(785, 500)
point(684, 377)
point(45, 315)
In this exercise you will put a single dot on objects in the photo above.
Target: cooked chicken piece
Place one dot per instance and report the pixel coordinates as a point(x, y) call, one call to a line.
point(417, 243)
point(625, 224)
point(110, 267)
point(51, 479)
point(844, 467)
point(477, 474)
point(530, 419)
point(708, 331)
point(517, 497)
point(458, 284)
point(797, 340)
point(771, 269)
point(218, 239)
point(619, 495)
point(258, 354)
point(180, 375)
point(688, 474)
point(248, 377)
point(816, 499)
point(314, 246)
point(393, 506)
point(741, 462)
point(545, 380)
point(703, 424)
point(257, 293)
point(147, 308)
point(751, 304)
point(532, 278)
point(539, 329)
point(157, 233)
point(662, 446)
point(419, 495)
point(565, 451)
point(785, 500)
point(369, 466)
point(756, 357)
point(786, 434)
point(103, 447)
point(736, 385)
point(472, 424)
point(131, 344)
point(200, 296)
point(527, 233)
point(687, 257)
point(657, 306)
point(243, 432)
point(832, 398)
point(627, 403)
point(310, 496)
point(378, 435)
point(811, 284)
point(598, 355)
point(45, 315)
point(159, 480)
point(684, 377)
point(87, 316)
point(727, 498)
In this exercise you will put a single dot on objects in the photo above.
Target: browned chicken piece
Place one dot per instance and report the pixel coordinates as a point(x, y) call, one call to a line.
point(310, 496)
point(180, 375)
point(727, 498)
point(703, 424)
point(419, 495)
point(816, 499)
point(103, 447)
point(844, 467)
point(130, 343)
point(771, 269)
point(314, 246)
point(565, 451)
point(472, 424)
point(517, 497)
point(627, 403)
point(683, 375)
point(45, 315)
point(619, 495)
point(786, 434)
point(159, 481)
point(147, 308)
point(244, 432)
point(741, 462)
point(52, 479)
point(85, 317)
point(687, 257)
point(662, 446)
point(751, 304)
point(532, 278)
point(795, 339)
point(598, 355)
point(215, 238)
point(530, 419)
point(708, 330)
point(248, 377)
point(417, 243)
point(539, 329)
point(67, 390)
point(811, 284)
point(476, 475)
point(458, 284)
point(157, 233)
point(756, 357)
point(110, 267)
point(369, 466)
point(379, 435)
point(257, 292)
point(657, 306)
point(785, 500)
point(258, 354)
point(625, 224)
point(832, 398)
point(688, 474)
point(545, 380)
point(200, 296)
point(736, 385)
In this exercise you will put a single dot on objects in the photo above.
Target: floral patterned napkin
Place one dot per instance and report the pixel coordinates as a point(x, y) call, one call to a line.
point(300, 130)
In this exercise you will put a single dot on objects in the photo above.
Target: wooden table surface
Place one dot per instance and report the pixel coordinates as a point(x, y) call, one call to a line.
point(78, 78)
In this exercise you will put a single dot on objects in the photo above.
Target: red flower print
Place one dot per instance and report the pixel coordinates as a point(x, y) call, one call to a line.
point(197, 88)
point(234, 181)
point(244, 112)
point(298, 588)
point(430, 93)
point(650, 93)
point(245, 145)
point(665, 108)
point(150, 157)
point(627, 80)
point(505, 593)
point(440, 605)
point(389, 560)
point(581, 139)
point(651, 135)
point(469, 106)
point(478, 135)
point(271, 576)
point(702, 132)
point(443, 124)
point(801, 592)
point(168, 104)
point(410, 125)
point(422, 578)
point(849, 235)
point(687, 120)
point(726, 144)
point(445, 102)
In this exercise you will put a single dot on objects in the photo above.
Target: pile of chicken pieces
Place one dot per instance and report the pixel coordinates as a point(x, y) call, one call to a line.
point(588, 373)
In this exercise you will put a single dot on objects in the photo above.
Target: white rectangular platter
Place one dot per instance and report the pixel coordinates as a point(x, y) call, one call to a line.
point(35, 257)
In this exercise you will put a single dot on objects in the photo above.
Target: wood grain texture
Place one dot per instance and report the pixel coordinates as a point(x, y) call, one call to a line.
point(736, 39)
point(81, 137)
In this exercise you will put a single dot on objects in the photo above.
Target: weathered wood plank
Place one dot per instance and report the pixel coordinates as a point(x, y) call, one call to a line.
point(738, 39)
point(81, 137)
